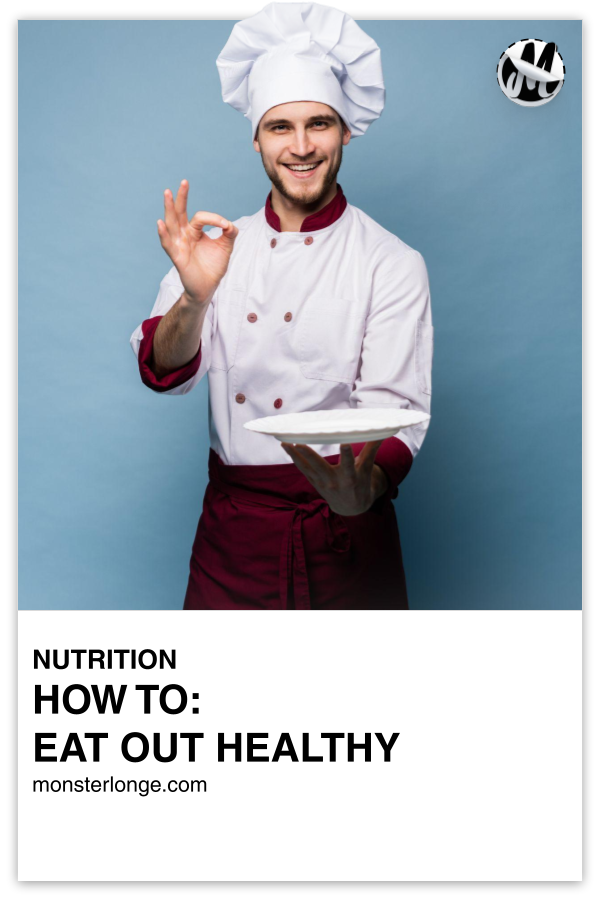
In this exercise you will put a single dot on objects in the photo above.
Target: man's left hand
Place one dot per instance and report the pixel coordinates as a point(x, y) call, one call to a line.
point(350, 487)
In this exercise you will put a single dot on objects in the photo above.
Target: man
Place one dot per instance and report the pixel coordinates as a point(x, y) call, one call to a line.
point(307, 305)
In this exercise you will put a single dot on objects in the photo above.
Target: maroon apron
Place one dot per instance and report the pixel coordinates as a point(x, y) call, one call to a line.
point(267, 540)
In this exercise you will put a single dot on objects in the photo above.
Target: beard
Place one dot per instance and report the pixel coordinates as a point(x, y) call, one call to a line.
point(303, 193)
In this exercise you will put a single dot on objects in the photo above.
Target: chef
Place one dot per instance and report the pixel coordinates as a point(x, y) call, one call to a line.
point(306, 305)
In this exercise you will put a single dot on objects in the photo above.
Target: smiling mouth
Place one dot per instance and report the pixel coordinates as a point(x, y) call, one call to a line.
point(303, 169)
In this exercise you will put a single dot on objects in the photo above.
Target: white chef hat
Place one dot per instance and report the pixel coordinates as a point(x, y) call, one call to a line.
point(302, 51)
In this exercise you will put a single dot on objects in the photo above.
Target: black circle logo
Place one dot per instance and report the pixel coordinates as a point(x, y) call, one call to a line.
point(531, 72)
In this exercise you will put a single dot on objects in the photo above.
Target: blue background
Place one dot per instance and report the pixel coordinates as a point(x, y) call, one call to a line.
point(112, 475)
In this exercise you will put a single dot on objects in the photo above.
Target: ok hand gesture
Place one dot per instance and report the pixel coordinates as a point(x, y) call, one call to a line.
point(201, 261)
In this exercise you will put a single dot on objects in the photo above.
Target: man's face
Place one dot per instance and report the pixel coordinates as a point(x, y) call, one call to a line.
point(301, 148)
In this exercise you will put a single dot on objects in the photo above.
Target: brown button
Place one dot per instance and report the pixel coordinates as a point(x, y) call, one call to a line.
point(273, 242)
point(240, 398)
point(288, 317)
point(278, 403)
point(252, 317)
point(308, 240)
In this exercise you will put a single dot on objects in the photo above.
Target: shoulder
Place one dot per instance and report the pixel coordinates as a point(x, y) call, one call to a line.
point(397, 271)
point(382, 245)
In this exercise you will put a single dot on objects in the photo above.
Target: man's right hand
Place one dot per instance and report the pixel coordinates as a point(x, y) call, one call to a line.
point(201, 261)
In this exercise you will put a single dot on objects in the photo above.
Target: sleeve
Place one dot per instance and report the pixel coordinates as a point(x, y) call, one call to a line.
point(397, 355)
point(182, 380)
point(395, 459)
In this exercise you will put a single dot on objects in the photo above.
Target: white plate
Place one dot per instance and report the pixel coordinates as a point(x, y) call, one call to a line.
point(337, 426)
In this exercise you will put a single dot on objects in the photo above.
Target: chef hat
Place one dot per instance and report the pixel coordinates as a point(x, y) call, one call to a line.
point(302, 51)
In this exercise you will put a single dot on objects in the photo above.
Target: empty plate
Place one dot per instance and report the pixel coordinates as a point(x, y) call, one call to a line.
point(337, 426)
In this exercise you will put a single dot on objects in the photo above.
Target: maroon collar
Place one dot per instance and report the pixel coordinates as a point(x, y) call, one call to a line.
point(321, 219)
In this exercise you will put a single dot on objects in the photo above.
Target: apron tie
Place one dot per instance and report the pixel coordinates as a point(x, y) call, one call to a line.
point(293, 574)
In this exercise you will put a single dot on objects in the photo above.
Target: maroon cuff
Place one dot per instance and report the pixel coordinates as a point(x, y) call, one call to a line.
point(172, 379)
point(395, 460)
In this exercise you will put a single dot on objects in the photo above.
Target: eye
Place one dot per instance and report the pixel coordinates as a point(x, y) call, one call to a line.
point(320, 124)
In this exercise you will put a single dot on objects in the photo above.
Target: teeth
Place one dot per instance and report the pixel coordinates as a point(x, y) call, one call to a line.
point(303, 168)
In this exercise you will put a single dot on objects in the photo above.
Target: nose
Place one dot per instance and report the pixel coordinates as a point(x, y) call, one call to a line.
point(302, 145)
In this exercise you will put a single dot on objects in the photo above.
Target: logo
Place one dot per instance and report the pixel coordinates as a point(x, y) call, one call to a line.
point(531, 72)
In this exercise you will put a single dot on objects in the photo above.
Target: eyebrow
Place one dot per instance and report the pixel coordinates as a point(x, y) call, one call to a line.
point(325, 118)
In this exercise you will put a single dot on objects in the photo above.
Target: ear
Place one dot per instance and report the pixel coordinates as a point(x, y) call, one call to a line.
point(256, 145)
point(346, 134)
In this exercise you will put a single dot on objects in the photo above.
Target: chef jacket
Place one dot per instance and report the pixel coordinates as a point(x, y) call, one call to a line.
point(334, 316)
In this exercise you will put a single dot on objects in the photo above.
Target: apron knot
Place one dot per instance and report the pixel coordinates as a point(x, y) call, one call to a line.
point(293, 573)
point(336, 531)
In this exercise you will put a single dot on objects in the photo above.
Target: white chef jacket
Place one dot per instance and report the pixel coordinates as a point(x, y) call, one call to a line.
point(335, 318)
